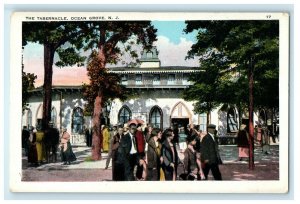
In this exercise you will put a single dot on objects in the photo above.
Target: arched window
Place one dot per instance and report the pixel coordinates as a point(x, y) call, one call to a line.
point(54, 116)
point(149, 55)
point(29, 118)
point(77, 121)
point(39, 115)
point(124, 115)
point(232, 124)
point(156, 117)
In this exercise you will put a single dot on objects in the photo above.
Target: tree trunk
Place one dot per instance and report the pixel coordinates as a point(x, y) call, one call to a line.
point(97, 134)
point(48, 70)
point(251, 128)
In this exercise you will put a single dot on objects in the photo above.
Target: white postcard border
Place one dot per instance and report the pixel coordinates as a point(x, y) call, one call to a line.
point(15, 112)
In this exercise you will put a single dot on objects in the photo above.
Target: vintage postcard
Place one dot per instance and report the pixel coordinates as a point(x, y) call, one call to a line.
point(149, 102)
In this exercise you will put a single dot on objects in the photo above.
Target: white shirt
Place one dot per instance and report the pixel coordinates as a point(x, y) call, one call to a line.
point(132, 150)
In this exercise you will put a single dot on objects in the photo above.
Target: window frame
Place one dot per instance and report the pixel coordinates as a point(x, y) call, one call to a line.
point(120, 112)
point(154, 77)
point(52, 117)
point(29, 118)
point(171, 75)
point(158, 110)
point(81, 129)
point(136, 77)
point(124, 77)
point(149, 55)
point(232, 122)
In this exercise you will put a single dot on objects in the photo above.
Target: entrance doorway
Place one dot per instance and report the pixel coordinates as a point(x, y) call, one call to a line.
point(180, 122)
point(180, 117)
point(179, 125)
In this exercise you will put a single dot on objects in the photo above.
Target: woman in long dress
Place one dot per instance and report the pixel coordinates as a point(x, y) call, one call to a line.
point(67, 155)
point(154, 155)
point(106, 138)
point(40, 147)
point(243, 142)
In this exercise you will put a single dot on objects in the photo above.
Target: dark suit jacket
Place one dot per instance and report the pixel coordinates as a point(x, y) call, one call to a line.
point(128, 140)
point(51, 136)
point(209, 150)
point(123, 149)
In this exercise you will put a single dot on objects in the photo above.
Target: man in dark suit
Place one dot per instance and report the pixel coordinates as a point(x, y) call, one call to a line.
point(120, 155)
point(209, 153)
point(51, 141)
point(133, 154)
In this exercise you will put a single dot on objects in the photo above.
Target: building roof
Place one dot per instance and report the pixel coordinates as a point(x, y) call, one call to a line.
point(60, 88)
point(78, 88)
point(163, 69)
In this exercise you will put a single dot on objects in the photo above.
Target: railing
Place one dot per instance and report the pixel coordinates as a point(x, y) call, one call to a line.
point(227, 140)
point(78, 139)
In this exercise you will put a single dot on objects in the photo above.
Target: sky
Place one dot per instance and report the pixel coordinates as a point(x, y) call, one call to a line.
point(172, 44)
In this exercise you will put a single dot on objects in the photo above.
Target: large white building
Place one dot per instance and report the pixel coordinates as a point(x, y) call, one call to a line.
point(159, 102)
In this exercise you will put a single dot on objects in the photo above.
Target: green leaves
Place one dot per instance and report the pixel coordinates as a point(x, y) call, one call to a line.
point(226, 49)
point(69, 57)
point(101, 80)
point(27, 84)
point(104, 39)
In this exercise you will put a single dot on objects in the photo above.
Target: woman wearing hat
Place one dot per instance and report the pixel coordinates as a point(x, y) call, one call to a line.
point(192, 163)
point(154, 155)
point(40, 146)
point(170, 156)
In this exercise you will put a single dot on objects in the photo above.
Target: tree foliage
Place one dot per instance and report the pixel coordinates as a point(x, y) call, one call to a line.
point(56, 37)
point(101, 79)
point(251, 49)
point(225, 49)
point(28, 80)
point(105, 39)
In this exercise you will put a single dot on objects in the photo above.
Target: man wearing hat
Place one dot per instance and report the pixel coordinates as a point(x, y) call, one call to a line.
point(133, 154)
point(209, 153)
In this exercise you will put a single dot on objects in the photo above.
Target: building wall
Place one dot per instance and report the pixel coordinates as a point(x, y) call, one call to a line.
point(140, 107)
point(68, 103)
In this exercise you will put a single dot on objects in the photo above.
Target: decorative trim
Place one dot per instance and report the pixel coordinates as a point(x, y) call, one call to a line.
point(188, 111)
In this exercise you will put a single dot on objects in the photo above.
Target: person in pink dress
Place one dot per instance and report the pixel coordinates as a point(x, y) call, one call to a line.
point(243, 143)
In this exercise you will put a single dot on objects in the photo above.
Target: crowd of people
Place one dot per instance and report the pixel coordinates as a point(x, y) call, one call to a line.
point(137, 153)
point(151, 154)
point(41, 145)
